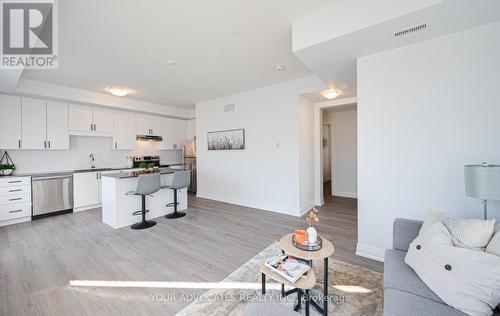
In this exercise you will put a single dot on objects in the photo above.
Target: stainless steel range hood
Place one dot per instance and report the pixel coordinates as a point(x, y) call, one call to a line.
point(150, 138)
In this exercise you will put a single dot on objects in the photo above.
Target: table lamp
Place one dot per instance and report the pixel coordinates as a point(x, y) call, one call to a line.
point(483, 182)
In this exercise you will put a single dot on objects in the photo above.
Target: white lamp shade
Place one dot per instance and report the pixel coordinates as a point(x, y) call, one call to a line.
point(482, 182)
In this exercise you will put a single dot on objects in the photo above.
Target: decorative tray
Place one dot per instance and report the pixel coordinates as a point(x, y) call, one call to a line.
point(308, 247)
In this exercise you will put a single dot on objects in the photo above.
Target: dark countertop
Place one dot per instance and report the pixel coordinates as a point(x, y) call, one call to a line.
point(135, 174)
point(58, 173)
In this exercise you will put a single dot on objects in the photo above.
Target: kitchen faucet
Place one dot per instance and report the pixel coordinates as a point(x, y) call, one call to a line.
point(91, 161)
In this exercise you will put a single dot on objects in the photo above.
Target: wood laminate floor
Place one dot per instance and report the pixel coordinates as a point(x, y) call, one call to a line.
point(39, 258)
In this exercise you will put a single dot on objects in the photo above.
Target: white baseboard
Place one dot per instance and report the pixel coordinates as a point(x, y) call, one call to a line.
point(352, 195)
point(86, 208)
point(252, 204)
point(306, 208)
point(370, 252)
point(15, 221)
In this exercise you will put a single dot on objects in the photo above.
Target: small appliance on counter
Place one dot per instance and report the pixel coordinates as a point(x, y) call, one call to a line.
point(52, 194)
point(190, 162)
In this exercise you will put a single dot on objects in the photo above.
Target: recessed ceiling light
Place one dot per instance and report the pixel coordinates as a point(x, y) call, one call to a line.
point(118, 91)
point(236, 33)
point(331, 94)
point(279, 67)
point(171, 62)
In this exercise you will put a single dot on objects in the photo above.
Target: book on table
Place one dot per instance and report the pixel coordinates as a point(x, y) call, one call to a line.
point(289, 267)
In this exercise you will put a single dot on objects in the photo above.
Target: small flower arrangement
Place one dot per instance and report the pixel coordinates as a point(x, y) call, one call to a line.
point(312, 217)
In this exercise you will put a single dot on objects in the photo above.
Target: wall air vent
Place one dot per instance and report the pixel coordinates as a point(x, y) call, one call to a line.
point(229, 108)
point(410, 30)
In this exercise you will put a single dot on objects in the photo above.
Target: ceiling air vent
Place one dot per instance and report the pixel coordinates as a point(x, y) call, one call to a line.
point(229, 108)
point(413, 29)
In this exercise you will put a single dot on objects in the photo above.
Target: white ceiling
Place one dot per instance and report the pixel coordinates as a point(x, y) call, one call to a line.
point(334, 60)
point(221, 47)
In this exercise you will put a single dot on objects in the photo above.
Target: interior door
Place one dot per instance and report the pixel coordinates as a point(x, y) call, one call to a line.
point(103, 120)
point(34, 123)
point(327, 159)
point(80, 118)
point(10, 122)
point(57, 125)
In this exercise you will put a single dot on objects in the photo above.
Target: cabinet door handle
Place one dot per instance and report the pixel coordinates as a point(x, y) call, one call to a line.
point(16, 181)
point(44, 144)
point(49, 143)
point(116, 145)
point(16, 199)
point(16, 190)
point(15, 211)
point(19, 144)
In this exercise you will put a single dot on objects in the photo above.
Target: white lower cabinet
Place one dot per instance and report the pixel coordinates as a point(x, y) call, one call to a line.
point(15, 200)
point(85, 190)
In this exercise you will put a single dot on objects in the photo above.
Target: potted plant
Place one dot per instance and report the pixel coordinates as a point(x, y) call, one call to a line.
point(312, 234)
point(7, 166)
point(146, 166)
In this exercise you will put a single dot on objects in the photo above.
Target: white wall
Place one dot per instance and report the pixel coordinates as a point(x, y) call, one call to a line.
point(266, 174)
point(424, 111)
point(191, 129)
point(71, 95)
point(344, 152)
point(306, 152)
point(78, 156)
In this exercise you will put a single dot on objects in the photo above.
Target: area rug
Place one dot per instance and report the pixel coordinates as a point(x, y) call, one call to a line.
point(353, 290)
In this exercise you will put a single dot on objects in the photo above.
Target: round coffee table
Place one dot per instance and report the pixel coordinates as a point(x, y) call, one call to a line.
point(326, 251)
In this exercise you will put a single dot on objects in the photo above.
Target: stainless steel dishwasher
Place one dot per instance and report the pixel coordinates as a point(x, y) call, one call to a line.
point(52, 194)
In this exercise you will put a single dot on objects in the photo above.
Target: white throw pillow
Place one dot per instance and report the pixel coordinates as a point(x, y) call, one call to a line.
point(434, 216)
point(494, 245)
point(465, 279)
point(470, 233)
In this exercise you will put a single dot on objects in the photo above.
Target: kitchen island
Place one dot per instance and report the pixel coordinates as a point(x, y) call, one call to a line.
point(117, 206)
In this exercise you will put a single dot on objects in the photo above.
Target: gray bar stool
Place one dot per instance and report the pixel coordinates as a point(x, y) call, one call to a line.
point(180, 180)
point(147, 184)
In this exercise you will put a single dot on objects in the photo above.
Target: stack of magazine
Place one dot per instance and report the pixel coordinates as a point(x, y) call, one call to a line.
point(291, 268)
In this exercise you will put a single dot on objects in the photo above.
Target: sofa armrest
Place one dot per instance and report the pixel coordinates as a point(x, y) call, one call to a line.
point(404, 232)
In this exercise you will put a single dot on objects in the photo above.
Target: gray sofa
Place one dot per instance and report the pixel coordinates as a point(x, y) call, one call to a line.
point(404, 292)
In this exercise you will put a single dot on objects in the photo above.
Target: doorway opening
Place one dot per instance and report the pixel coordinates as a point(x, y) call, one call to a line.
point(339, 152)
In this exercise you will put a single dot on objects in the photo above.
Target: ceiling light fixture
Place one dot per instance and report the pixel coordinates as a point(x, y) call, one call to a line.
point(118, 91)
point(171, 62)
point(279, 67)
point(331, 94)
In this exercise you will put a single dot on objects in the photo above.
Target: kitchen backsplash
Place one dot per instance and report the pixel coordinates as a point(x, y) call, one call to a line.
point(78, 155)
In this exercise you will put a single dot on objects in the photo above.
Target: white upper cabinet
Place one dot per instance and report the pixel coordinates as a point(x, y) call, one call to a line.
point(124, 133)
point(156, 125)
point(103, 120)
point(10, 122)
point(149, 124)
point(89, 120)
point(80, 118)
point(174, 133)
point(34, 123)
point(57, 125)
point(143, 126)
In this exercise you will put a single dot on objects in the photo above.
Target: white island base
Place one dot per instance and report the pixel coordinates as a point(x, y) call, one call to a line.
point(117, 207)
